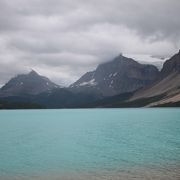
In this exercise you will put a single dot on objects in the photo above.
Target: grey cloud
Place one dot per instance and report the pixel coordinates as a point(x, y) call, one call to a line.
point(65, 38)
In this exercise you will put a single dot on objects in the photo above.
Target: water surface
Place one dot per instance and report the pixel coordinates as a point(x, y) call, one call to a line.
point(41, 143)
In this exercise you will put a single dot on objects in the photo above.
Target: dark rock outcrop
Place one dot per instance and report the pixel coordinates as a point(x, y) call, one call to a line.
point(171, 65)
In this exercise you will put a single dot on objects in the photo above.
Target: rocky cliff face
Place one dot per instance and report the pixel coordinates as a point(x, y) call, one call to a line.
point(171, 65)
point(168, 83)
point(117, 76)
point(31, 83)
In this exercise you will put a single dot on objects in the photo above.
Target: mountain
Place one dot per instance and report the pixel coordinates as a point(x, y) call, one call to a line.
point(31, 83)
point(121, 82)
point(120, 75)
point(167, 86)
point(33, 90)
point(164, 92)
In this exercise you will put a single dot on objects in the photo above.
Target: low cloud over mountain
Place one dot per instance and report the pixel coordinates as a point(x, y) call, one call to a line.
point(64, 39)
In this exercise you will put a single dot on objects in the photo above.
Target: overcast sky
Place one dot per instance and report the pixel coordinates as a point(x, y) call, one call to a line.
point(62, 39)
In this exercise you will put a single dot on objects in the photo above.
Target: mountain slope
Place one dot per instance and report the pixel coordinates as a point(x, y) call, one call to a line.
point(168, 83)
point(63, 98)
point(172, 65)
point(31, 83)
point(118, 76)
point(56, 98)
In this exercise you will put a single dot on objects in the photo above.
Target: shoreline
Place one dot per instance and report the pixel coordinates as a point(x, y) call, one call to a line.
point(171, 172)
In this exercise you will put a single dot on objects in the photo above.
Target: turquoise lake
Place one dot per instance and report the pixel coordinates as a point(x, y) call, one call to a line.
point(34, 142)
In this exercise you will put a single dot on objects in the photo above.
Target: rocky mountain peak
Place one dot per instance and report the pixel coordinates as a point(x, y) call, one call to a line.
point(120, 75)
point(31, 83)
point(33, 73)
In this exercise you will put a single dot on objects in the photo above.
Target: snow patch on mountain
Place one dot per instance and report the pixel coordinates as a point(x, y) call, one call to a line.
point(92, 82)
point(115, 73)
point(147, 59)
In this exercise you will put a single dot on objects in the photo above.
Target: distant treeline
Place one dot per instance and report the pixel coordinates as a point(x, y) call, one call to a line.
point(19, 105)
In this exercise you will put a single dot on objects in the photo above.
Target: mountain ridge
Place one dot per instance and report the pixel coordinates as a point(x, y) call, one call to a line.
point(31, 83)
point(120, 75)
point(162, 89)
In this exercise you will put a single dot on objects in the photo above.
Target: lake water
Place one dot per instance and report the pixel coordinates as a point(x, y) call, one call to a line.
point(90, 144)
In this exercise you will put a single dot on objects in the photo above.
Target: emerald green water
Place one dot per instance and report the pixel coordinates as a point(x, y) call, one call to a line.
point(51, 141)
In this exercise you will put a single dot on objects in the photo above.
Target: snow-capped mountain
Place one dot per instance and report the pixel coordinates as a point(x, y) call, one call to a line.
point(117, 76)
point(125, 82)
point(31, 83)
